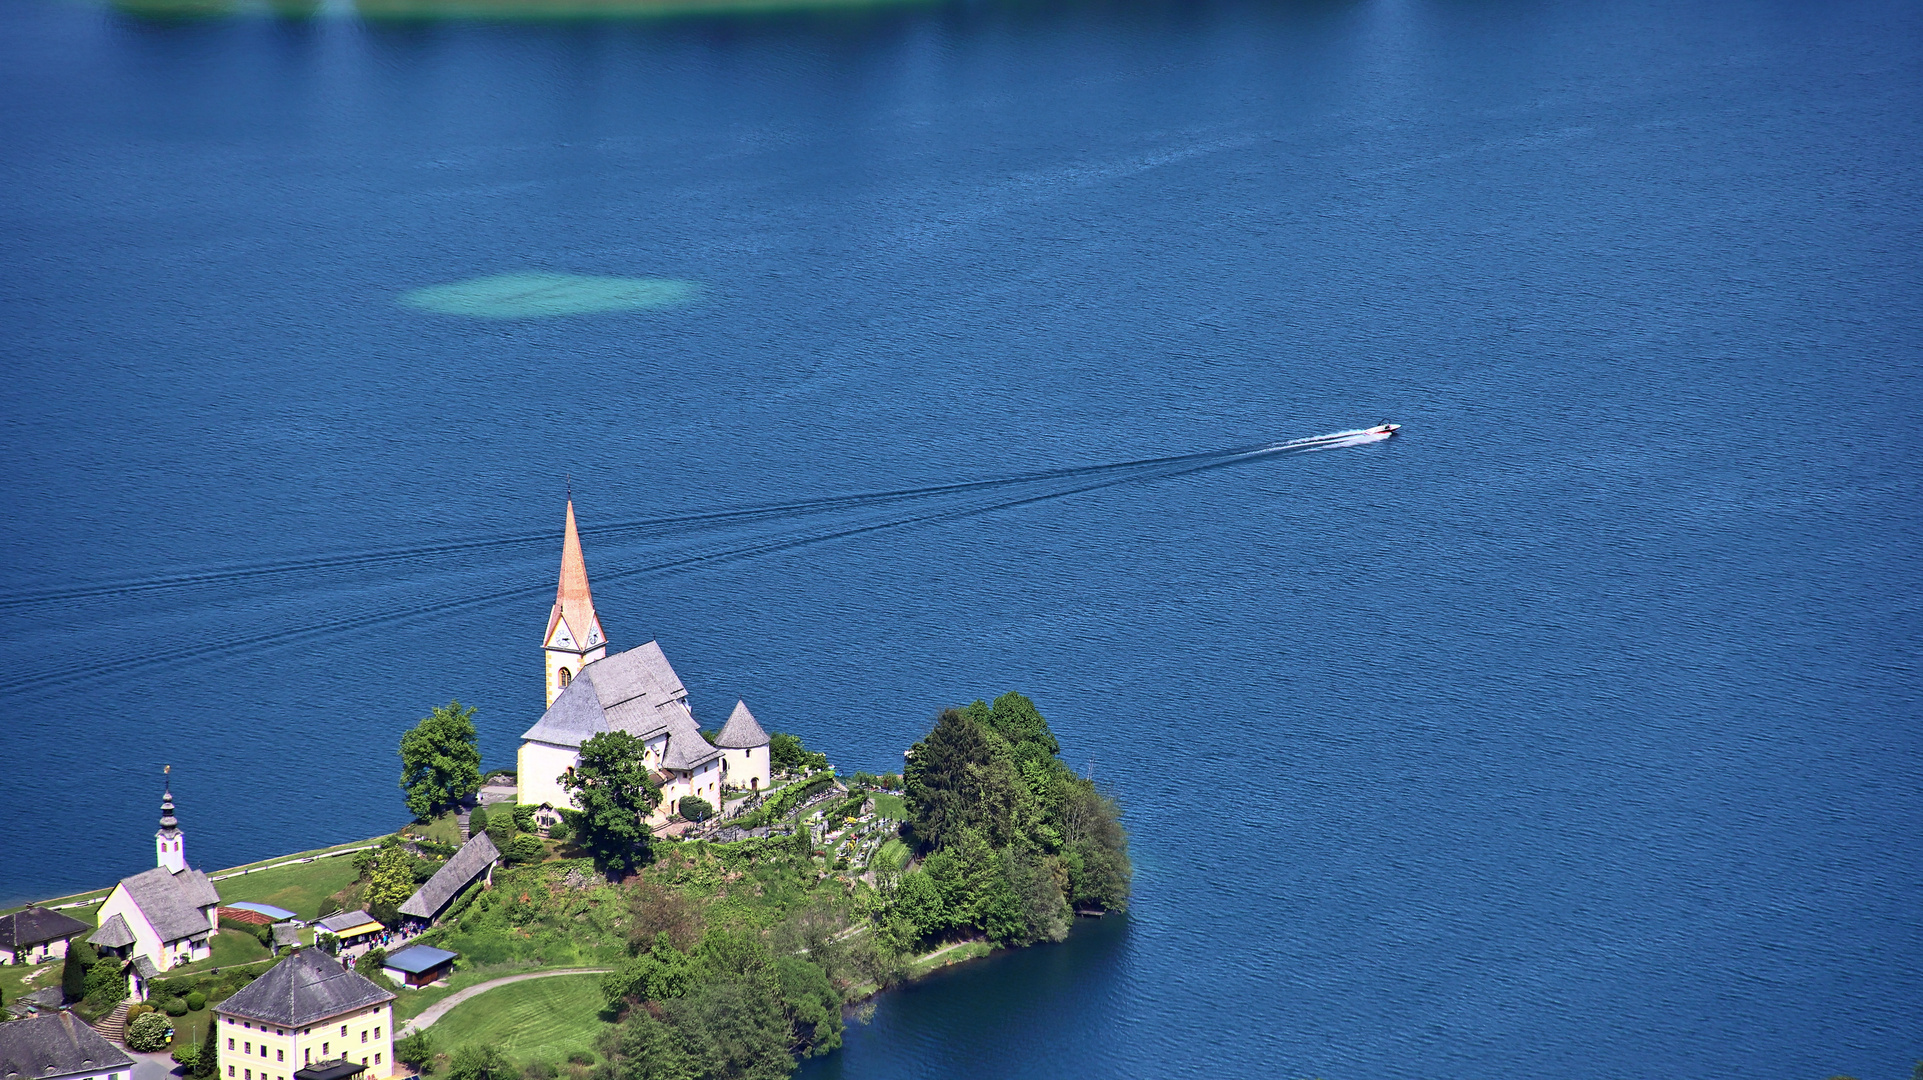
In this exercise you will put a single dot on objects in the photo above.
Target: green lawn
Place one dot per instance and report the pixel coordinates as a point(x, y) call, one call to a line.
point(18, 979)
point(301, 888)
point(891, 806)
point(892, 855)
point(537, 1020)
point(191, 1028)
point(446, 829)
point(231, 948)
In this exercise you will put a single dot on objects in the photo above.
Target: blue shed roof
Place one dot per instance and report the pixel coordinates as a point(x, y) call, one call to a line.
point(269, 910)
point(418, 958)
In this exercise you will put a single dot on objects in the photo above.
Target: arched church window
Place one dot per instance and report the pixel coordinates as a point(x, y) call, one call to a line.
point(565, 677)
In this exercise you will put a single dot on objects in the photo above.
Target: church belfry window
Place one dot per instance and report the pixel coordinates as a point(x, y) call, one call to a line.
point(565, 677)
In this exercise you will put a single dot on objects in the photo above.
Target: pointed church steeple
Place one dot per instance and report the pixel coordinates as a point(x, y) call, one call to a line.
point(169, 846)
point(574, 638)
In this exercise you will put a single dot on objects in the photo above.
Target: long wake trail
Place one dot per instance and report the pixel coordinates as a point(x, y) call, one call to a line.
point(668, 525)
point(1086, 478)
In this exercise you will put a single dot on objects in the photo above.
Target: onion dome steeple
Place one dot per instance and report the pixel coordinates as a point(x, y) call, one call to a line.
point(169, 846)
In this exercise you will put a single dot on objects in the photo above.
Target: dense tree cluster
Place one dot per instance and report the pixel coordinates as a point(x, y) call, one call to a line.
point(729, 1009)
point(1015, 840)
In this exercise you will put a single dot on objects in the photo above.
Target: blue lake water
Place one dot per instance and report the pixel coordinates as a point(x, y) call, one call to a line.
point(1575, 733)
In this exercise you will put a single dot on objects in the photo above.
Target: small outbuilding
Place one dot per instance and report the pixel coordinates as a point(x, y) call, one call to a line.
point(35, 935)
point(418, 965)
point(476, 857)
point(353, 928)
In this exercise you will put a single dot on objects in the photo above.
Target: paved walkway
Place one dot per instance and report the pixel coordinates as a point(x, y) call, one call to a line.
point(440, 1008)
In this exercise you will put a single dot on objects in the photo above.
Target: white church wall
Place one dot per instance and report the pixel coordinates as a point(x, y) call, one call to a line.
point(538, 769)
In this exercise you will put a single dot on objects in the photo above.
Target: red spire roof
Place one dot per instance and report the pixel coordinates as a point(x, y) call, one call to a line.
point(573, 603)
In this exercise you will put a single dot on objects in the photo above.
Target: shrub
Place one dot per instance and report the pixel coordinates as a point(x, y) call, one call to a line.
point(196, 1001)
point(892, 781)
point(185, 1053)
point(580, 1057)
point(477, 821)
point(416, 1051)
point(695, 808)
point(175, 1006)
point(561, 830)
point(147, 1033)
point(524, 819)
point(480, 1063)
point(525, 848)
point(537, 1070)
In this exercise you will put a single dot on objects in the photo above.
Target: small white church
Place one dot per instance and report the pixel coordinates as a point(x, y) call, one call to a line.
point(164, 917)
point(590, 692)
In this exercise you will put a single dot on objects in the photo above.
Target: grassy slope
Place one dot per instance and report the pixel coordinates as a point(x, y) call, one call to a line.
point(537, 1020)
point(18, 979)
point(232, 948)
point(301, 888)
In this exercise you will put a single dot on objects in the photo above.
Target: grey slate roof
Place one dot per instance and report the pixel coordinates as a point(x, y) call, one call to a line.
point(35, 925)
point(687, 750)
point(173, 902)
point(467, 864)
point(113, 934)
point(43, 1047)
point(741, 731)
point(574, 718)
point(307, 987)
point(344, 920)
point(286, 934)
point(631, 691)
point(145, 966)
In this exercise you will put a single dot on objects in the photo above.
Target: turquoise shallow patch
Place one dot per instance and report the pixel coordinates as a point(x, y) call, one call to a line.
point(525, 296)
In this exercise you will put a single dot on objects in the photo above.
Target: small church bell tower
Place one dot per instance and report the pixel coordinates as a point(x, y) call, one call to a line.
point(574, 638)
point(169, 846)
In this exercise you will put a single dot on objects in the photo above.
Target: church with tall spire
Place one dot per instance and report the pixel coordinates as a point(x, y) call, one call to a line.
point(590, 692)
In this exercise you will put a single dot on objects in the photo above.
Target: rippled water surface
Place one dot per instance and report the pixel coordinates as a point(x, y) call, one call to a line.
point(1574, 733)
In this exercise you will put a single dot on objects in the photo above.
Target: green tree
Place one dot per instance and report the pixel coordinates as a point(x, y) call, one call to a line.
point(786, 754)
point(736, 1029)
point(812, 1006)
point(416, 1051)
point(1096, 848)
point(73, 974)
point(440, 761)
point(944, 777)
point(207, 1062)
point(107, 983)
point(919, 909)
point(392, 879)
point(147, 1033)
point(480, 1063)
point(695, 808)
point(500, 828)
point(610, 784)
point(647, 1049)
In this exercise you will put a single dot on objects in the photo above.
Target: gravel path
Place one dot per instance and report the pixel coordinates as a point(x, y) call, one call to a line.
point(440, 1008)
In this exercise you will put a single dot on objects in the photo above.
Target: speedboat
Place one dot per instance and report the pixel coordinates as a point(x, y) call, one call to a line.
point(1384, 429)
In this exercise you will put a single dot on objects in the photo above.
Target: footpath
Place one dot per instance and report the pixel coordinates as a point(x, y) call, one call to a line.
point(441, 1008)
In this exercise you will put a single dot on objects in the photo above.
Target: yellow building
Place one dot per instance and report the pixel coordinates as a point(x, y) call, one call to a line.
point(309, 1015)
